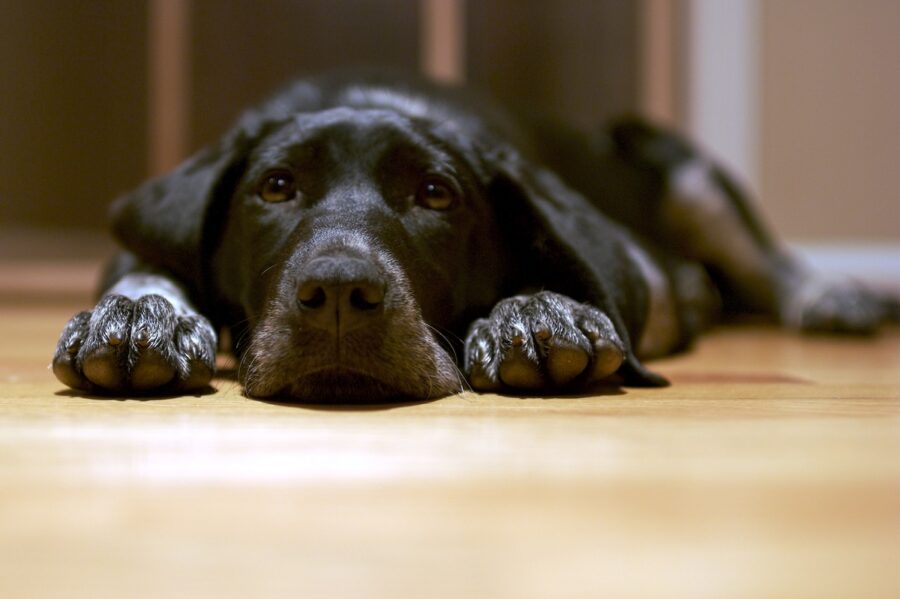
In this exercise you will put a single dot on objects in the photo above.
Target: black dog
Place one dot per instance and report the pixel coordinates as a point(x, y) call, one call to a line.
point(349, 231)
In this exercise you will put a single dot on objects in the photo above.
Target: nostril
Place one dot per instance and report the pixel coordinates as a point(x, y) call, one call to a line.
point(311, 296)
point(338, 294)
point(367, 297)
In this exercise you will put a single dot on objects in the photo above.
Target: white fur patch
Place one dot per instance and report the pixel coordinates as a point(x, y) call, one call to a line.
point(136, 285)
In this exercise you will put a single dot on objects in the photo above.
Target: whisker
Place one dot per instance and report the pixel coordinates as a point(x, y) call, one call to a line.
point(460, 376)
point(445, 335)
point(267, 269)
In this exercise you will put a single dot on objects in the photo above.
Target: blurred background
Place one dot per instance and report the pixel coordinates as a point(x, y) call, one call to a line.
point(799, 98)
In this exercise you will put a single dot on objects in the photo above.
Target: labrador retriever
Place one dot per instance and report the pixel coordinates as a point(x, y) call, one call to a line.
point(372, 238)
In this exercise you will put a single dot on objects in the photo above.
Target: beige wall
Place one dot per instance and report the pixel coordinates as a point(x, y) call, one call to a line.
point(830, 118)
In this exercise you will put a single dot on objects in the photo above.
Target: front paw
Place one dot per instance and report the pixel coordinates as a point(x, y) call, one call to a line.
point(138, 346)
point(542, 342)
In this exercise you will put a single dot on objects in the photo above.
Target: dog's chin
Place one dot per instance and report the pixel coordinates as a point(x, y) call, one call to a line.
point(342, 386)
point(339, 386)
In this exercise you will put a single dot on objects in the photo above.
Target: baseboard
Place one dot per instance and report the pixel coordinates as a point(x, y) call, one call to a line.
point(877, 263)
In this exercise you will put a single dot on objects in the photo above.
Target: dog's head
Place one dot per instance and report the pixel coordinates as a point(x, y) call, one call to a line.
point(354, 237)
point(347, 240)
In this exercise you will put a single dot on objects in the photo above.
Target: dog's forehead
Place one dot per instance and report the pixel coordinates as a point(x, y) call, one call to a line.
point(349, 126)
point(357, 138)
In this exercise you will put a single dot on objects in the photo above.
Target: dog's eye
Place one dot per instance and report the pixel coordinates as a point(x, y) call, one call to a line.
point(277, 186)
point(436, 194)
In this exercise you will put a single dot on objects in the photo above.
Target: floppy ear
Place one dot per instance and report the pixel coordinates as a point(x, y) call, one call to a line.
point(163, 220)
point(573, 248)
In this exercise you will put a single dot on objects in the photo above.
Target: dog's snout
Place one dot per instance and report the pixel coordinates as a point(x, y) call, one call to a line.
point(340, 293)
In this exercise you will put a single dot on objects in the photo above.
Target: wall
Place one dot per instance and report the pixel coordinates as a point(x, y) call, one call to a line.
point(574, 59)
point(243, 50)
point(72, 108)
point(830, 153)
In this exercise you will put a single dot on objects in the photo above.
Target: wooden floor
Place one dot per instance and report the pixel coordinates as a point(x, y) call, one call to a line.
point(770, 468)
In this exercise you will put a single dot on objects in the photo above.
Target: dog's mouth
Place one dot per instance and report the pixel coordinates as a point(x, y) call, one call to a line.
point(285, 377)
point(341, 386)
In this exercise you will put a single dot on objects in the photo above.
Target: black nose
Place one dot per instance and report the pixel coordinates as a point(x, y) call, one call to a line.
point(339, 293)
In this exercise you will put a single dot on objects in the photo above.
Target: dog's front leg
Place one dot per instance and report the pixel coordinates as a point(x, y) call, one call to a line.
point(144, 336)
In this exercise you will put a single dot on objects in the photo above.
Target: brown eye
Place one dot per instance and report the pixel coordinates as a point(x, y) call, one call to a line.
point(436, 194)
point(278, 186)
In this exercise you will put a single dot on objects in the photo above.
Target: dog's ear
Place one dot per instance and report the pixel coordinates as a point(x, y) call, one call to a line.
point(164, 220)
point(572, 247)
